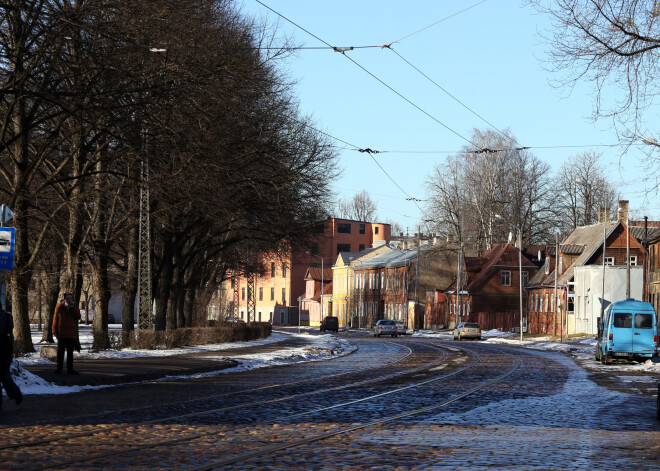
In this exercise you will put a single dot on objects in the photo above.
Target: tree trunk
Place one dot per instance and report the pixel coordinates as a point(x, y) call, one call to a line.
point(130, 287)
point(164, 319)
point(102, 298)
point(52, 277)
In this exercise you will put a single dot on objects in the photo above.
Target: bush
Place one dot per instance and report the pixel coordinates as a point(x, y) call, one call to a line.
point(224, 332)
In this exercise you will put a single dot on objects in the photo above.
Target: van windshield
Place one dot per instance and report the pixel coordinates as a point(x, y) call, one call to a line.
point(622, 320)
point(643, 321)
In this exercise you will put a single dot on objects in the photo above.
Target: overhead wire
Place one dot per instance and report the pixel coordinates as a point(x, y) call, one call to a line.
point(371, 74)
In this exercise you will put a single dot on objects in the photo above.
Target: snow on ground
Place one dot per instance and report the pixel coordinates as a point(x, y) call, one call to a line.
point(319, 347)
point(323, 347)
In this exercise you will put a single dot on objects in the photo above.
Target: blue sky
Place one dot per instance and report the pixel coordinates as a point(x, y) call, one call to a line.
point(489, 57)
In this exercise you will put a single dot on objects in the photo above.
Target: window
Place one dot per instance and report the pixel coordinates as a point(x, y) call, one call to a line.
point(343, 228)
point(315, 248)
point(609, 261)
point(343, 248)
point(505, 278)
point(272, 294)
point(643, 321)
point(376, 230)
point(272, 269)
point(284, 270)
point(243, 294)
point(360, 247)
point(249, 294)
point(261, 294)
point(633, 260)
point(283, 295)
point(363, 229)
point(233, 282)
point(622, 320)
point(525, 277)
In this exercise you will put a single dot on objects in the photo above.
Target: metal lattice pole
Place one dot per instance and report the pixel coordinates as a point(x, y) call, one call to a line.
point(144, 255)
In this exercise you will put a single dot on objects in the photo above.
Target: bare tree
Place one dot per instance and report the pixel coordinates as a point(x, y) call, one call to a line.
point(582, 190)
point(467, 192)
point(614, 45)
point(360, 208)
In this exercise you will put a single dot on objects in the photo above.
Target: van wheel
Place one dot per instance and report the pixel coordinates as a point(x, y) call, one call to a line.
point(605, 359)
point(597, 354)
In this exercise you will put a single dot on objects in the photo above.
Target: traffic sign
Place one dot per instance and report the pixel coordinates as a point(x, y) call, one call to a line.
point(7, 243)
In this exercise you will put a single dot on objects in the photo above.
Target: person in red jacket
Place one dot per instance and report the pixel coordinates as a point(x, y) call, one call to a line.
point(65, 328)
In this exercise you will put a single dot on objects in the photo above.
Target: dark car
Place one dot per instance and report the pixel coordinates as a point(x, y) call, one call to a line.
point(330, 323)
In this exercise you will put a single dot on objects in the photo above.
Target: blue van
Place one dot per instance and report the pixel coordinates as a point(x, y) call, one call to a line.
point(629, 331)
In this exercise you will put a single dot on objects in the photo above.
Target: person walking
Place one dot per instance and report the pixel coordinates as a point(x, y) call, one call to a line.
point(6, 357)
point(65, 328)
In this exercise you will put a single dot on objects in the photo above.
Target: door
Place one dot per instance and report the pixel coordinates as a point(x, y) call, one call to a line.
point(622, 332)
point(643, 332)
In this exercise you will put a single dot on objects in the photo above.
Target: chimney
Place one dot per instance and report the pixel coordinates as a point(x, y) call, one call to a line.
point(603, 215)
point(622, 213)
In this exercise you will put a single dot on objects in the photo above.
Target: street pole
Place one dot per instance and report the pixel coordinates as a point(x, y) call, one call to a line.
point(627, 256)
point(458, 284)
point(556, 303)
point(602, 294)
point(299, 312)
point(321, 298)
point(521, 283)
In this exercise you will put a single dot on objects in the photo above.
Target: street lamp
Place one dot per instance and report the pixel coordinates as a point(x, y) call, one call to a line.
point(322, 282)
point(497, 216)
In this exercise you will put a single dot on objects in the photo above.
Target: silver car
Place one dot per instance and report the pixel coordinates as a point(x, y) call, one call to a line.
point(385, 327)
point(401, 327)
point(467, 330)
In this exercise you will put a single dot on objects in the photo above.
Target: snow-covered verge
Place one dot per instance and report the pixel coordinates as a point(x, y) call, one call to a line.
point(318, 347)
point(581, 349)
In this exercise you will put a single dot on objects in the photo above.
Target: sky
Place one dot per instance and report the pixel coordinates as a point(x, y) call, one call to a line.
point(487, 54)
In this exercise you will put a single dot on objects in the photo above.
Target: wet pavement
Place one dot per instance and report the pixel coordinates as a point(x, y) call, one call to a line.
point(548, 414)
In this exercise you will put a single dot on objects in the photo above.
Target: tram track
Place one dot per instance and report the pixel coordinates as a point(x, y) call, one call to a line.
point(190, 437)
point(49, 439)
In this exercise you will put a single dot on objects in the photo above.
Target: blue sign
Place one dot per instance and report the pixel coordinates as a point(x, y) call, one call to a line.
point(7, 241)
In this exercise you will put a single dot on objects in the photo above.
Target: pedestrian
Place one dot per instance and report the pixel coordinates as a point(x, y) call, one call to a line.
point(65, 328)
point(6, 357)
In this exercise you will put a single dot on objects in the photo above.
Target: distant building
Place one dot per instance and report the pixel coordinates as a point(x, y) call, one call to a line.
point(270, 293)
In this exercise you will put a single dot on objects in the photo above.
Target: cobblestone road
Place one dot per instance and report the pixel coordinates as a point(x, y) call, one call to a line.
point(547, 415)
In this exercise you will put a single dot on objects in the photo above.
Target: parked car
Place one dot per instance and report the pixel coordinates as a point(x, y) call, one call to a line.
point(330, 323)
point(385, 327)
point(467, 330)
point(401, 328)
point(629, 331)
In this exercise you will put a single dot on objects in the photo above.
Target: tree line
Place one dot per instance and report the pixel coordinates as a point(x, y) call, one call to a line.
point(482, 196)
point(91, 92)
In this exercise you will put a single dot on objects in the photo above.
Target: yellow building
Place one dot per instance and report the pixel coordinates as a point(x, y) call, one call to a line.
point(343, 281)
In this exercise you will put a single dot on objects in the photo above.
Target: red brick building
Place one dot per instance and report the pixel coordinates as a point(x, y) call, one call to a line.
point(490, 289)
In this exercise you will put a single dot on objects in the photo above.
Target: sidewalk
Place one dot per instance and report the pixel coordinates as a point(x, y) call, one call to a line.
point(97, 372)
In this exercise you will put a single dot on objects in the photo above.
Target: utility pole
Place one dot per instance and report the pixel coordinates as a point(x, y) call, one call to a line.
point(145, 312)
